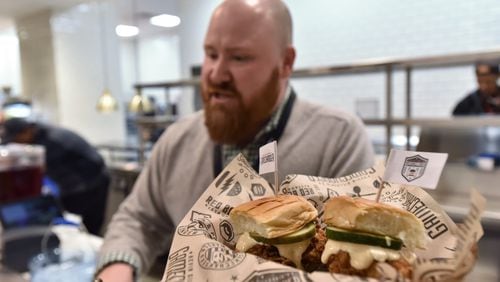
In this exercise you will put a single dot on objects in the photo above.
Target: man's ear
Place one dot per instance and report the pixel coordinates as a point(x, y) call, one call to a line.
point(288, 61)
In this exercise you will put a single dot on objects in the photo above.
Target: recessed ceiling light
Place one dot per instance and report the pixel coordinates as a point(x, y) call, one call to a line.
point(165, 20)
point(123, 30)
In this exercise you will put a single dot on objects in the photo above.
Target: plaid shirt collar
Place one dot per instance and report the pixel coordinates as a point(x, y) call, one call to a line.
point(251, 151)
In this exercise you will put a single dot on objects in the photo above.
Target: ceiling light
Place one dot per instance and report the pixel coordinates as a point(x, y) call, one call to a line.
point(140, 104)
point(107, 103)
point(123, 30)
point(165, 20)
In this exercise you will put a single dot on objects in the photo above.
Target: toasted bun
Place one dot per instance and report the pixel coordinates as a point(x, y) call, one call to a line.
point(368, 216)
point(273, 217)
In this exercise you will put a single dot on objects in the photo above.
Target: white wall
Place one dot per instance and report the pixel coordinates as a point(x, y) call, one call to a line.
point(158, 60)
point(10, 73)
point(80, 72)
point(38, 73)
point(195, 16)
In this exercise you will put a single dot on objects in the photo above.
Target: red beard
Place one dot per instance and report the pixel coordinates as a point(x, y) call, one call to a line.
point(238, 125)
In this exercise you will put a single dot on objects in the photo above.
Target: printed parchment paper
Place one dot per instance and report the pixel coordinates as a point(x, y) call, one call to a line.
point(202, 249)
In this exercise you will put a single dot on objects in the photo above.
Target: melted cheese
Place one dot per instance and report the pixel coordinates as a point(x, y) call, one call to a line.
point(245, 242)
point(294, 251)
point(362, 256)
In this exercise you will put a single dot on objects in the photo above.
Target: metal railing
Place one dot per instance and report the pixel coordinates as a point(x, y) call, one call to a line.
point(388, 66)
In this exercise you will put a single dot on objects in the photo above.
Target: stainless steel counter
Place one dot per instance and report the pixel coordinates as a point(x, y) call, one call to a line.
point(454, 187)
point(453, 194)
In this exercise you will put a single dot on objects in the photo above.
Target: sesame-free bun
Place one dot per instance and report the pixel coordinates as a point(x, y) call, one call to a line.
point(273, 217)
point(368, 216)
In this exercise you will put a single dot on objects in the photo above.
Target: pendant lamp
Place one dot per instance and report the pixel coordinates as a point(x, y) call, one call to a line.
point(106, 103)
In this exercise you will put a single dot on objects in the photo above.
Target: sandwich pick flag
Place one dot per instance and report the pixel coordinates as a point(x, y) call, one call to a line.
point(414, 168)
point(268, 160)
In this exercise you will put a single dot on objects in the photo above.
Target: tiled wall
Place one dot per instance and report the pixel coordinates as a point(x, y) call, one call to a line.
point(338, 32)
point(351, 30)
point(330, 33)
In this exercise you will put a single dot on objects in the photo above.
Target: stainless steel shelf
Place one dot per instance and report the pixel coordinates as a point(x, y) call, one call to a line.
point(368, 65)
point(386, 65)
point(156, 121)
point(457, 122)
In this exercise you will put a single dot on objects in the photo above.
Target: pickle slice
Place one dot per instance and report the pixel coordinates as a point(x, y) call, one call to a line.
point(308, 231)
point(363, 238)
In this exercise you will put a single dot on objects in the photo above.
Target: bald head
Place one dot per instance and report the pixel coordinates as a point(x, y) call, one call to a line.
point(248, 60)
point(273, 15)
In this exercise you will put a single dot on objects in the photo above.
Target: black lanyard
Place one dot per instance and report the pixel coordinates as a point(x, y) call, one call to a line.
point(272, 135)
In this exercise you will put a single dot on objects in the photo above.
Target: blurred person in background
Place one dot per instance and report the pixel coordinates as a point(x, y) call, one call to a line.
point(71, 163)
point(486, 99)
point(248, 102)
point(5, 94)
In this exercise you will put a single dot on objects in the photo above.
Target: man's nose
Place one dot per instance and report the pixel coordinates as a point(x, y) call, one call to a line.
point(220, 72)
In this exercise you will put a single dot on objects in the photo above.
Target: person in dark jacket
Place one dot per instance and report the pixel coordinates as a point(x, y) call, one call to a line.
point(486, 99)
point(72, 163)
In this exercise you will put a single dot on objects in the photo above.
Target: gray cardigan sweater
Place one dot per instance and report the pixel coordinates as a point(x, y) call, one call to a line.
point(316, 141)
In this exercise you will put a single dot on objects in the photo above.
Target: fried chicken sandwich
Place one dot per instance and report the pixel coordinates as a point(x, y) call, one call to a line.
point(280, 228)
point(363, 233)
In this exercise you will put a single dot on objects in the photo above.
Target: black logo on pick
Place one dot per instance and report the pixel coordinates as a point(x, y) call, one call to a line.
point(414, 167)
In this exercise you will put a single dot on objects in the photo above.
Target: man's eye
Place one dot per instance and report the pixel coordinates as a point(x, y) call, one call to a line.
point(241, 58)
point(212, 56)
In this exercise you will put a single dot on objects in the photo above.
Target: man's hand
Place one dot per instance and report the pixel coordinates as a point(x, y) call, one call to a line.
point(121, 272)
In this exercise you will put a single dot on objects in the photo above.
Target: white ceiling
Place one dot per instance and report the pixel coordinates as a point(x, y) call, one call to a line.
point(138, 12)
point(19, 8)
point(10, 9)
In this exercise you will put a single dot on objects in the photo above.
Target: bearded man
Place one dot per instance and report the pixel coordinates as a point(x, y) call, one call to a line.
point(248, 102)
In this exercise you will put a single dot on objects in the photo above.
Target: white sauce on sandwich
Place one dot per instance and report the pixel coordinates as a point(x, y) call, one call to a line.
point(245, 242)
point(362, 256)
point(294, 251)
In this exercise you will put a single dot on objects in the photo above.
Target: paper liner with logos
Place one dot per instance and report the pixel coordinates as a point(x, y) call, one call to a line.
point(202, 249)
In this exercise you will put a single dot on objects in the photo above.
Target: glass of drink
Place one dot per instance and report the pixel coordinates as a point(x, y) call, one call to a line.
point(21, 171)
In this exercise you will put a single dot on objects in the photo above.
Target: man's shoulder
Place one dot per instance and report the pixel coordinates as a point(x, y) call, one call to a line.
point(474, 95)
point(323, 114)
point(188, 123)
point(63, 137)
point(470, 104)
